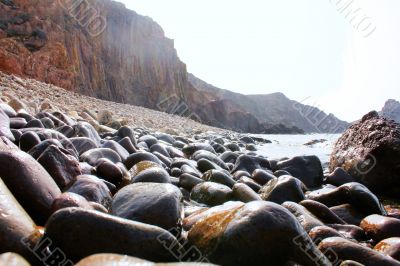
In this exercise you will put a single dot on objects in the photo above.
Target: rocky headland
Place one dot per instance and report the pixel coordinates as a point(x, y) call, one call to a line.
point(132, 61)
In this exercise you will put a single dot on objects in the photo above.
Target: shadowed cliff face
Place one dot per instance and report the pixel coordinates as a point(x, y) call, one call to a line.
point(131, 61)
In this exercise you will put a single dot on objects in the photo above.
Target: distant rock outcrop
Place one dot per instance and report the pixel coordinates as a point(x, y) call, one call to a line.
point(391, 110)
point(275, 112)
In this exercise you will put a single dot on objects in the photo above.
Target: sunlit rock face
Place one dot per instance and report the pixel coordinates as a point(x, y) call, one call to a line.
point(127, 58)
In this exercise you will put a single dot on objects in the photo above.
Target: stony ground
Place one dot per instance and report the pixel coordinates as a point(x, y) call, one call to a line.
point(39, 96)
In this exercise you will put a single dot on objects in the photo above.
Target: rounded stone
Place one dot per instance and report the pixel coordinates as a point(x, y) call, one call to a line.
point(80, 233)
point(272, 236)
point(29, 182)
point(211, 193)
point(151, 203)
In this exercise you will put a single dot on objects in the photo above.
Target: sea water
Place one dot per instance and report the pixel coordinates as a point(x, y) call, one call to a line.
point(293, 145)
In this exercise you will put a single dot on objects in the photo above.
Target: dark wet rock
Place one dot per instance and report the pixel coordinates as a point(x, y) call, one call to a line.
point(229, 157)
point(38, 149)
point(348, 213)
point(29, 182)
point(80, 233)
point(128, 145)
point(305, 218)
point(190, 149)
point(17, 122)
point(92, 189)
point(47, 122)
point(319, 233)
point(219, 148)
point(205, 165)
point(220, 177)
point(5, 126)
point(25, 116)
point(247, 140)
point(232, 147)
point(67, 131)
point(352, 193)
point(244, 193)
point(62, 167)
point(251, 147)
point(342, 249)
point(280, 173)
point(189, 181)
point(339, 177)
point(17, 135)
point(84, 129)
point(92, 156)
point(315, 141)
point(34, 123)
point(306, 168)
point(389, 247)
point(115, 146)
point(160, 148)
point(83, 144)
point(179, 144)
point(239, 174)
point(211, 157)
point(250, 183)
point(150, 203)
point(165, 137)
point(149, 140)
point(149, 172)
point(109, 171)
point(380, 227)
point(350, 231)
point(271, 235)
point(211, 193)
point(68, 199)
point(15, 225)
point(364, 149)
point(176, 172)
point(250, 163)
point(174, 152)
point(322, 212)
point(28, 140)
point(188, 169)
point(62, 118)
point(262, 177)
point(284, 188)
point(166, 160)
point(139, 157)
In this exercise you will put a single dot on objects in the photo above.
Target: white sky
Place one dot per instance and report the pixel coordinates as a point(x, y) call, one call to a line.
point(303, 48)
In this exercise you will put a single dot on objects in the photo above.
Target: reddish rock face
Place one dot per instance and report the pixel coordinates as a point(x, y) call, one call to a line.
point(130, 61)
point(370, 151)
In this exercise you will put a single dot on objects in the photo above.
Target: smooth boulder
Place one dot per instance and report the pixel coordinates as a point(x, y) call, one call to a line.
point(150, 203)
point(80, 233)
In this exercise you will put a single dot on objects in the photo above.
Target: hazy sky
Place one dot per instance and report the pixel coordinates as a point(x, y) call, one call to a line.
point(307, 49)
